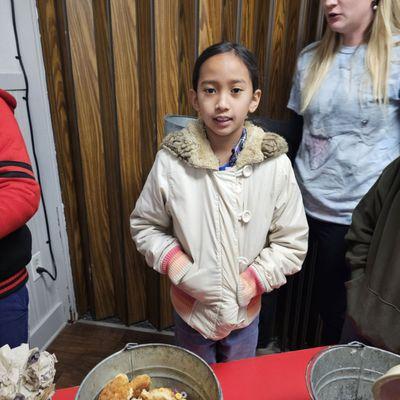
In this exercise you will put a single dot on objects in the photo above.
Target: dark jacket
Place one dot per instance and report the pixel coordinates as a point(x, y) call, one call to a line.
point(374, 257)
point(19, 200)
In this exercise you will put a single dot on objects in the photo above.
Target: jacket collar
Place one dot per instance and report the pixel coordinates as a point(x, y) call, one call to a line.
point(192, 146)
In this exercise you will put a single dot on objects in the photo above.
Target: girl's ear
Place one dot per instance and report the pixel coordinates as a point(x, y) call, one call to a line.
point(255, 101)
point(194, 99)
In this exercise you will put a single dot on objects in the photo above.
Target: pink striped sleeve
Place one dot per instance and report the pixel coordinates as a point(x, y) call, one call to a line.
point(249, 286)
point(175, 264)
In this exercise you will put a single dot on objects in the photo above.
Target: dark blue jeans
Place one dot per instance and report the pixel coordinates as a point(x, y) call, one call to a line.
point(239, 344)
point(14, 318)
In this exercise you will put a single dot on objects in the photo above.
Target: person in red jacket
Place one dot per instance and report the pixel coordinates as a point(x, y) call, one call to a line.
point(19, 200)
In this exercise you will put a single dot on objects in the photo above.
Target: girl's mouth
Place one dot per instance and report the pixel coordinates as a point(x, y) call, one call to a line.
point(222, 120)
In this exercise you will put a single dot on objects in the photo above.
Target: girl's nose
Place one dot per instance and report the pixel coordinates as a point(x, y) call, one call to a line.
point(222, 102)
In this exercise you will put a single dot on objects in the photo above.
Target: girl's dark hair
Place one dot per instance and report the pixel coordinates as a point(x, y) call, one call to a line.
point(225, 47)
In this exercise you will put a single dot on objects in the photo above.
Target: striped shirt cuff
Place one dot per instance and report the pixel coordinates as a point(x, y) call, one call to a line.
point(175, 263)
point(249, 286)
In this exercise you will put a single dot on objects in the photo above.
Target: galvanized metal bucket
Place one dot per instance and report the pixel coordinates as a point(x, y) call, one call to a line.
point(174, 123)
point(167, 365)
point(347, 372)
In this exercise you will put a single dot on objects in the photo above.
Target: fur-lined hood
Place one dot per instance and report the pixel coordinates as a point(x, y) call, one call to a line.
point(192, 146)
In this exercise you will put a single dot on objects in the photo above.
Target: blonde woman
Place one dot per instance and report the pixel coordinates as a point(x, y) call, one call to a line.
point(346, 89)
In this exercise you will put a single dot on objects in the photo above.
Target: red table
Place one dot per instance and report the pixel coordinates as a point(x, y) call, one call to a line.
point(273, 377)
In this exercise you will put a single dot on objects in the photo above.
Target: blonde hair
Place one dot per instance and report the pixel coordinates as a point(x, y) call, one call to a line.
point(386, 22)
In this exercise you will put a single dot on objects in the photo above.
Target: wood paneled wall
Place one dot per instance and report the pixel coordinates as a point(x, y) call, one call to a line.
point(115, 68)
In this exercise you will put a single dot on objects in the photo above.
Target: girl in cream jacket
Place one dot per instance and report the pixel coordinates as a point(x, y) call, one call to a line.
point(226, 236)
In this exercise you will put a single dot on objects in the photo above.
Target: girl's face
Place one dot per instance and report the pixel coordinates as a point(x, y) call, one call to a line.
point(224, 95)
point(348, 16)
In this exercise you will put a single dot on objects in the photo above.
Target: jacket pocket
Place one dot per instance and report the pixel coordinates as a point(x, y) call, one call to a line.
point(355, 289)
point(376, 320)
point(200, 283)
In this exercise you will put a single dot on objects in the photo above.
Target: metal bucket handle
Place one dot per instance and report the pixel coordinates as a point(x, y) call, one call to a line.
point(317, 355)
point(130, 346)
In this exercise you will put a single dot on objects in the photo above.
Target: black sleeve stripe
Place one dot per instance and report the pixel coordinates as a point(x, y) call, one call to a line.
point(15, 174)
point(15, 164)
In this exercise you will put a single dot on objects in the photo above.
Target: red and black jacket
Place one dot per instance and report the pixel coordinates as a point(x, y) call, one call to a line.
point(19, 200)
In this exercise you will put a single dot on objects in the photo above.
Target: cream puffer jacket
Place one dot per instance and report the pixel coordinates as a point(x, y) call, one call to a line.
point(251, 214)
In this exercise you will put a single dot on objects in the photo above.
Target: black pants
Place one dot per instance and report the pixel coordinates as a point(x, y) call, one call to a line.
point(329, 295)
point(266, 326)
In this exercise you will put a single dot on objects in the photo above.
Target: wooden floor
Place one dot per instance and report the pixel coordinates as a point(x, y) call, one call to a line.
point(80, 346)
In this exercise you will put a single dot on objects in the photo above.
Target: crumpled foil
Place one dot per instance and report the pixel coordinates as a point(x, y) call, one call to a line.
point(26, 374)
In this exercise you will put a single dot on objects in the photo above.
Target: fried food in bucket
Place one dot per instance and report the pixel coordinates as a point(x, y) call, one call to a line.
point(117, 389)
point(120, 388)
point(158, 394)
point(139, 383)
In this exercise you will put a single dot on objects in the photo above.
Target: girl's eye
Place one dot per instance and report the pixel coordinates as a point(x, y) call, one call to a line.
point(209, 90)
point(236, 90)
